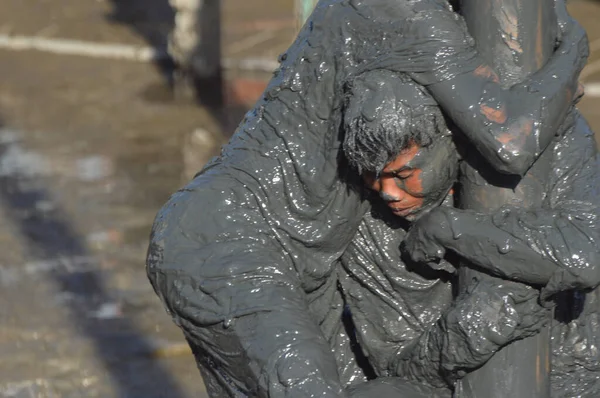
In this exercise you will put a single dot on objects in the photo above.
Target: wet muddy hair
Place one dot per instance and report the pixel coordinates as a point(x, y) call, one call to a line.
point(384, 112)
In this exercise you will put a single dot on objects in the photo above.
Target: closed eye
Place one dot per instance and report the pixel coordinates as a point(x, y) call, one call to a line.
point(403, 175)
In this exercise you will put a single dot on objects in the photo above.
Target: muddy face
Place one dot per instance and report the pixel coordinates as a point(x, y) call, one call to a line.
point(418, 179)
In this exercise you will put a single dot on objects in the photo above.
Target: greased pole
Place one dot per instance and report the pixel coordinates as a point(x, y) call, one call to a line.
point(516, 38)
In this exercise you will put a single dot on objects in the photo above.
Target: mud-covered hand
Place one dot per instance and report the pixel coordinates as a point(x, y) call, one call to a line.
point(422, 243)
point(485, 318)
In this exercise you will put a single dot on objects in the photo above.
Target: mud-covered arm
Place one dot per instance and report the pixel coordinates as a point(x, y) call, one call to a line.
point(466, 336)
point(557, 245)
point(510, 127)
point(407, 322)
point(240, 303)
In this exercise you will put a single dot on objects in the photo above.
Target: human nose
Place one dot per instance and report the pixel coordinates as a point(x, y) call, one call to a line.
point(389, 192)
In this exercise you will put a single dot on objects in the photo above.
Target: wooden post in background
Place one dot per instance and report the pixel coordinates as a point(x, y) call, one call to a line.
point(515, 37)
point(195, 46)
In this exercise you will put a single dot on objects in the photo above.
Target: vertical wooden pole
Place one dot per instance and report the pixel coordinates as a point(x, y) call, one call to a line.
point(209, 81)
point(515, 37)
point(195, 46)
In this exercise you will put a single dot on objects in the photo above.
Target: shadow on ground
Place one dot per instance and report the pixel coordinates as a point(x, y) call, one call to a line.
point(48, 237)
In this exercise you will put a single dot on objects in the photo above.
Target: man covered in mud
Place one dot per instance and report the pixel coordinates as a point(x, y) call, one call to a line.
point(246, 257)
point(396, 137)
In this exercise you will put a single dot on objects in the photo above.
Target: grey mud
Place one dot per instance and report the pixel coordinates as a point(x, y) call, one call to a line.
point(288, 280)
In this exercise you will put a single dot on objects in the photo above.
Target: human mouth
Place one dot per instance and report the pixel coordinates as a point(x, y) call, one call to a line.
point(401, 211)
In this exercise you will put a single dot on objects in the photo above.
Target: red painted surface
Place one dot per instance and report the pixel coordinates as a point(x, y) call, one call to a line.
point(243, 92)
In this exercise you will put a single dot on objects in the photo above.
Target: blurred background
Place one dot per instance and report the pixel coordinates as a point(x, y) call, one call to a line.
point(98, 126)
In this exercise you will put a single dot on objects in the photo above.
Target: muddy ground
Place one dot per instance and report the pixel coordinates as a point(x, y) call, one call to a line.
point(89, 149)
